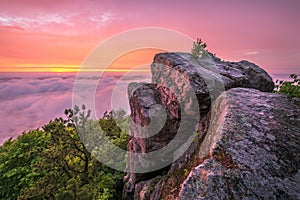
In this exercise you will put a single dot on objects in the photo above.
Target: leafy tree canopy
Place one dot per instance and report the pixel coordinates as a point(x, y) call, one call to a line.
point(53, 163)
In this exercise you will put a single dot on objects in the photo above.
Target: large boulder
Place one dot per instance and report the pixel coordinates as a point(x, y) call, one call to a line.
point(180, 95)
point(146, 133)
point(208, 77)
point(251, 150)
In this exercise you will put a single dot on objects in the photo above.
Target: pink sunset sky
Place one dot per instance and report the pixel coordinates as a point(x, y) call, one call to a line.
point(56, 36)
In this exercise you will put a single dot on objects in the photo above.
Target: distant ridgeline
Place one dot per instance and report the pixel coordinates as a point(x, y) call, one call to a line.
point(247, 138)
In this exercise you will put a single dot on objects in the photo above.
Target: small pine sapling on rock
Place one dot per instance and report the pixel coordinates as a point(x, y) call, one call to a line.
point(199, 49)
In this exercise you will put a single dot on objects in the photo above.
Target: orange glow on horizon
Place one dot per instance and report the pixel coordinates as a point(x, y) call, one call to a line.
point(137, 61)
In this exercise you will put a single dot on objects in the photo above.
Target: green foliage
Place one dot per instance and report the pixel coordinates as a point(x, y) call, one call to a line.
point(16, 158)
point(199, 49)
point(290, 88)
point(115, 126)
point(53, 163)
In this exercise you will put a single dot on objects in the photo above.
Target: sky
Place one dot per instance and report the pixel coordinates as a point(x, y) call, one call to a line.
point(56, 36)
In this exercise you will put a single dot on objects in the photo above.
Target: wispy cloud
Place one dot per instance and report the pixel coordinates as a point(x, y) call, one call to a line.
point(102, 19)
point(14, 21)
point(250, 53)
point(31, 22)
point(59, 22)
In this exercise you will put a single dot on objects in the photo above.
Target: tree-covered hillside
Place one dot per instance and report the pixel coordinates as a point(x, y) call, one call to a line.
point(53, 163)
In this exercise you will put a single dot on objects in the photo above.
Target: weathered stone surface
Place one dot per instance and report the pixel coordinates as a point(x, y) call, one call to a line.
point(144, 189)
point(208, 77)
point(251, 150)
point(151, 129)
point(180, 95)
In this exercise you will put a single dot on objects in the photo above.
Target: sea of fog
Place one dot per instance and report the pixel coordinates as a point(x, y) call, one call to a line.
point(30, 100)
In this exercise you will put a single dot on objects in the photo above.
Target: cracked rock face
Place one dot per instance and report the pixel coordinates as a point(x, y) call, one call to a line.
point(188, 92)
point(208, 77)
point(251, 150)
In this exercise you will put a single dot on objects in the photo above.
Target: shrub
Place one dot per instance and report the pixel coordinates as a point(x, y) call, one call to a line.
point(290, 88)
point(199, 49)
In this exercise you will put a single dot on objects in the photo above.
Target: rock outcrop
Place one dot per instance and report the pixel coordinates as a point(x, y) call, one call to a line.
point(208, 77)
point(251, 150)
point(220, 144)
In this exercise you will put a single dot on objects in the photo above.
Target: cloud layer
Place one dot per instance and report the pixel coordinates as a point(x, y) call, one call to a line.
point(28, 102)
